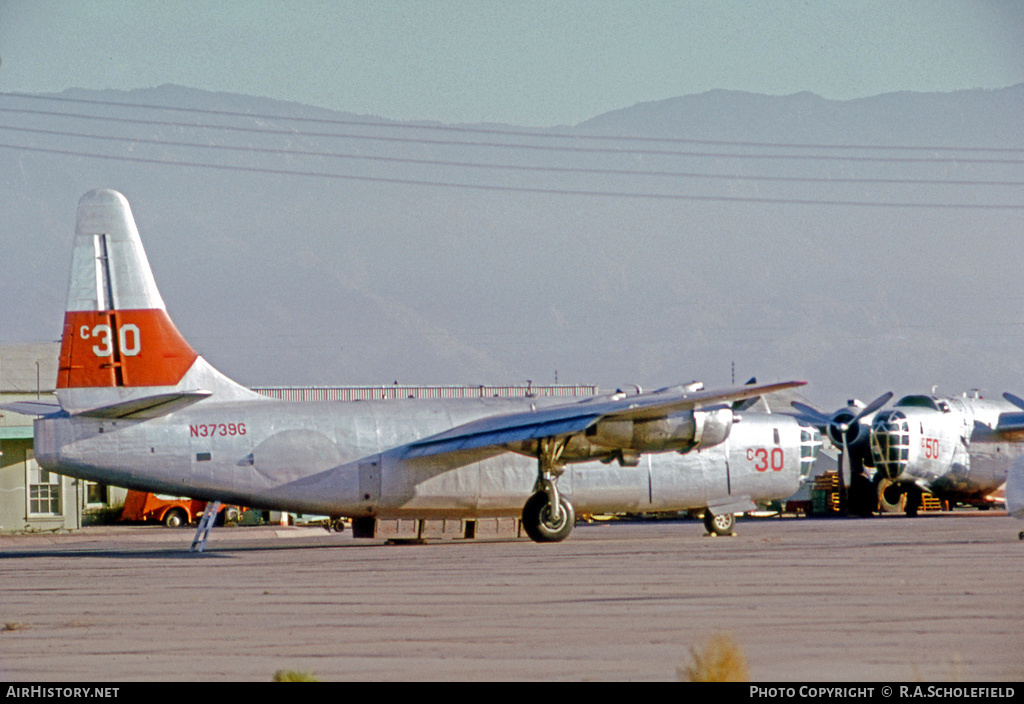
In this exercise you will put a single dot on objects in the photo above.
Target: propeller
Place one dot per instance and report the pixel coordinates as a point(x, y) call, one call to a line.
point(812, 415)
point(844, 426)
point(844, 430)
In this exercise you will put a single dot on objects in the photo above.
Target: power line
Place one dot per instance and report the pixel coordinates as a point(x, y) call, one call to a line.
point(575, 148)
point(484, 130)
point(522, 189)
point(293, 152)
point(515, 167)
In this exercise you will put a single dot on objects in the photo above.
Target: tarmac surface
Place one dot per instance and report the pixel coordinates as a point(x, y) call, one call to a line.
point(885, 599)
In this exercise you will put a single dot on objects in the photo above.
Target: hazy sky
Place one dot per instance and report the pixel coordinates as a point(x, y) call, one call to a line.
point(518, 61)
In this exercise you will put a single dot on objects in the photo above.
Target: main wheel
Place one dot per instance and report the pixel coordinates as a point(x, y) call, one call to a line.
point(538, 523)
point(890, 496)
point(722, 524)
point(175, 518)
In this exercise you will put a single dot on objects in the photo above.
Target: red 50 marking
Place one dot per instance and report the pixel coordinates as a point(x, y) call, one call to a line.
point(765, 459)
point(931, 448)
point(204, 430)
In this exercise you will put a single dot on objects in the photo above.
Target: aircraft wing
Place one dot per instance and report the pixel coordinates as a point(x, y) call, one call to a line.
point(560, 421)
point(1011, 423)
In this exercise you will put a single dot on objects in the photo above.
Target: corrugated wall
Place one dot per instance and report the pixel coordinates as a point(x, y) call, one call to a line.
point(367, 393)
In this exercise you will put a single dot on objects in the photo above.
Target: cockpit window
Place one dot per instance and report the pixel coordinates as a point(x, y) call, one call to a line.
point(810, 441)
point(921, 402)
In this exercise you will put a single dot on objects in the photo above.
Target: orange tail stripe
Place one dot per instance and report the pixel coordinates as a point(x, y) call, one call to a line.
point(122, 348)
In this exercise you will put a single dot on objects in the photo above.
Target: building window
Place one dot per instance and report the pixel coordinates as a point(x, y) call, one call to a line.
point(95, 494)
point(43, 489)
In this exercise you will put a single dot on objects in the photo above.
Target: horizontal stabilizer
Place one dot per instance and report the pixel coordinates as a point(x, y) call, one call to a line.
point(32, 408)
point(148, 406)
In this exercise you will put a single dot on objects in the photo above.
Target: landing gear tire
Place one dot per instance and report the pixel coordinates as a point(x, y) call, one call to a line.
point(722, 524)
point(890, 496)
point(538, 522)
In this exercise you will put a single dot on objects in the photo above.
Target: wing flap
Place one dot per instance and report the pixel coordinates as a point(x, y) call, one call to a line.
point(468, 439)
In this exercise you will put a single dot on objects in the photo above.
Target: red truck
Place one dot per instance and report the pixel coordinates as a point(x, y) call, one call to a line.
point(172, 511)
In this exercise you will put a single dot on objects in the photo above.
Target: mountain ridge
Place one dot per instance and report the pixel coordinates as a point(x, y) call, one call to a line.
point(378, 271)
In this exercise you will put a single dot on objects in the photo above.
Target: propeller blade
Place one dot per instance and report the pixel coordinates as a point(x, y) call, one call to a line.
point(812, 415)
point(1015, 400)
point(740, 406)
point(844, 476)
point(873, 406)
point(844, 466)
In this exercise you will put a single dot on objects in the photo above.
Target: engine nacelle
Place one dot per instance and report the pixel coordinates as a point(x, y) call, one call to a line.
point(842, 424)
point(682, 432)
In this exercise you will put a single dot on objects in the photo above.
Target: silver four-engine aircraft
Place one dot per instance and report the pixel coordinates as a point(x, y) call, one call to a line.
point(137, 407)
point(958, 448)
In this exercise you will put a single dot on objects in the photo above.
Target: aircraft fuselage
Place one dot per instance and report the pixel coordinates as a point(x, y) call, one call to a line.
point(345, 459)
point(950, 446)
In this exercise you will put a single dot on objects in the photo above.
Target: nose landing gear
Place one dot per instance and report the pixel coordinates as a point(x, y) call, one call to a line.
point(722, 524)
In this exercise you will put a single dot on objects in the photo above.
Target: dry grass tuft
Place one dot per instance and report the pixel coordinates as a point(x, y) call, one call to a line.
point(294, 676)
point(719, 660)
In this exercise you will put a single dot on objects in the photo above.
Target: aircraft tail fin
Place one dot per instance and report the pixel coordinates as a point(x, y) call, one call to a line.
point(118, 344)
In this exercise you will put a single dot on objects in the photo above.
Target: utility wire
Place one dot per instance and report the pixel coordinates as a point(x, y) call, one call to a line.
point(512, 167)
point(575, 148)
point(483, 130)
point(522, 189)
